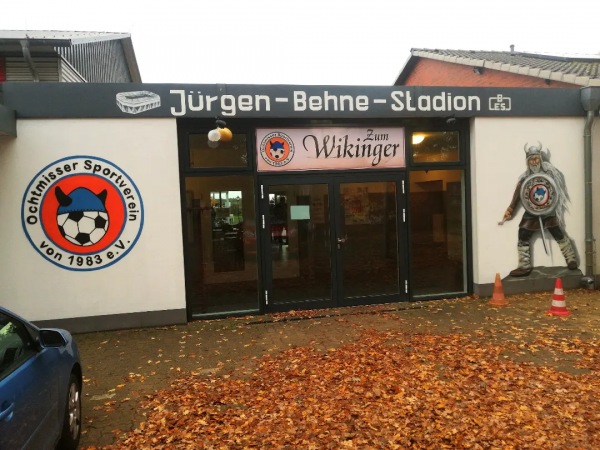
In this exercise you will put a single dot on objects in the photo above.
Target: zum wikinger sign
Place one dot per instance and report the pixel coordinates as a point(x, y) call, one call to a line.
point(86, 100)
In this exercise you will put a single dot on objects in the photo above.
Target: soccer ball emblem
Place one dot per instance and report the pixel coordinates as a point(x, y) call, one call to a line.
point(276, 149)
point(83, 227)
point(82, 218)
point(539, 195)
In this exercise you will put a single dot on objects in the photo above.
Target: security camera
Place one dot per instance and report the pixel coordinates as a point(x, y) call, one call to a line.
point(450, 121)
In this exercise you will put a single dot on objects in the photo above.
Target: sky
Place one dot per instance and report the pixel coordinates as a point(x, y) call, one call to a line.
point(311, 42)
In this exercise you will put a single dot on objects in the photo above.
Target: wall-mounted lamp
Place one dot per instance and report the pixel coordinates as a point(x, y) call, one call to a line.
point(220, 133)
point(417, 138)
point(477, 70)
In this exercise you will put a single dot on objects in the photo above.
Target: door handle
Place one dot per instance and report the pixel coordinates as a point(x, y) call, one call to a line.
point(7, 414)
point(341, 241)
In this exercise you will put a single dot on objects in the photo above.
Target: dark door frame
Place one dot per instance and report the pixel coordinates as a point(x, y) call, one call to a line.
point(333, 181)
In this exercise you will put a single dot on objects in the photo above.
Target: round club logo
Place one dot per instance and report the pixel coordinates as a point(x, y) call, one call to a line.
point(539, 194)
point(82, 213)
point(277, 149)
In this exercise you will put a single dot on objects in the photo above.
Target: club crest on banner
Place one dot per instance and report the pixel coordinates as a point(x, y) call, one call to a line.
point(277, 149)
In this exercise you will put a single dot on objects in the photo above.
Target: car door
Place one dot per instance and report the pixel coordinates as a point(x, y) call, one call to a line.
point(27, 404)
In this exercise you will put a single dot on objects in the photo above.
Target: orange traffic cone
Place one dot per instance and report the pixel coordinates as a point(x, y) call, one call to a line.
point(559, 306)
point(498, 295)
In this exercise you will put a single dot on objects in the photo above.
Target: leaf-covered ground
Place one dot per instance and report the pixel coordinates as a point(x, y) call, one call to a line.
point(405, 387)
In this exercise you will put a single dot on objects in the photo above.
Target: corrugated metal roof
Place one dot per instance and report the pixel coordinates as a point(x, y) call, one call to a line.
point(65, 37)
point(574, 69)
point(80, 46)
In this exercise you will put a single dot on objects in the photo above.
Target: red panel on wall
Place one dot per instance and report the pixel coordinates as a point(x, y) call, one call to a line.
point(2, 69)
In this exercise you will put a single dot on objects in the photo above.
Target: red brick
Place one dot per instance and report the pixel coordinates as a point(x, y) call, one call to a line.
point(429, 72)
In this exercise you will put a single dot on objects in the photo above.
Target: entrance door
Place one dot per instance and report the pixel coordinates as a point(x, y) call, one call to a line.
point(332, 241)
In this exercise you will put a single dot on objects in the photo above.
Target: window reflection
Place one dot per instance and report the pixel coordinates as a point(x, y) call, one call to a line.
point(437, 232)
point(222, 272)
point(436, 146)
point(300, 243)
point(204, 153)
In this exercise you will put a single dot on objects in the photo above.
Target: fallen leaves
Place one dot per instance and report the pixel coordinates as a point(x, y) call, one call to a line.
point(386, 390)
point(452, 374)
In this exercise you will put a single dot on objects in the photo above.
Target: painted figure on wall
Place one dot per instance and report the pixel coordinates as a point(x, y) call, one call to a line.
point(542, 192)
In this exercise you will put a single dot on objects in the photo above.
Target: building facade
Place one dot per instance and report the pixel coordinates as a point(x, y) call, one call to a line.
point(137, 204)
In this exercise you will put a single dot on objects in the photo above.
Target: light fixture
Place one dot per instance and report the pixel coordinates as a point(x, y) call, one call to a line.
point(477, 70)
point(220, 133)
point(417, 138)
point(214, 135)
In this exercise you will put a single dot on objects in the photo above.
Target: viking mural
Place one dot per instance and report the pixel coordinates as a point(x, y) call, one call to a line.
point(542, 191)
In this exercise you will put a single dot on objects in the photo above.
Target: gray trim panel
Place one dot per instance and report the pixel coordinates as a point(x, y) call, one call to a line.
point(117, 321)
point(8, 123)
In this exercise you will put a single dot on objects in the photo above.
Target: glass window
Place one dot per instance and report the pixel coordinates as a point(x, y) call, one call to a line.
point(207, 154)
point(221, 266)
point(437, 228)
point(15, 344)
point(300, 251)
point(370, 234)
point(435, 146)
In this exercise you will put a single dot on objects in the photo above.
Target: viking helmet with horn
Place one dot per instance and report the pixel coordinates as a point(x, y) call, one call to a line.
point(533, 150)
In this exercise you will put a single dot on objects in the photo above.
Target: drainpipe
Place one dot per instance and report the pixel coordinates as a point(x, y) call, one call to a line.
point(590, 100)
point(29, 59)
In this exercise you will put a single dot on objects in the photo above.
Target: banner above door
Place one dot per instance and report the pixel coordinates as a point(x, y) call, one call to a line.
point(329, 148)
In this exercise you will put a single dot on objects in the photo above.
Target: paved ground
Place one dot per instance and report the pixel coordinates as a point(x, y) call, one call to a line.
point(121, 367)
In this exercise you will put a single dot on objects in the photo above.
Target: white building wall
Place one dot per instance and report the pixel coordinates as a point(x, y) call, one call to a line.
point(498, 159)
point(150, 277)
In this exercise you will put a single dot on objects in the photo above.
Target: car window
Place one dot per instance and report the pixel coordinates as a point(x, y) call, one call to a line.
point(16, 345)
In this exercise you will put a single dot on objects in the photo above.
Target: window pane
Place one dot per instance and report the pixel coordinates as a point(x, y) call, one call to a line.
point(371, 239)
point(15, 344)
point(437, 146)
point(204, 153)
point(222, 272)
point(437, 230)
point(300, 251)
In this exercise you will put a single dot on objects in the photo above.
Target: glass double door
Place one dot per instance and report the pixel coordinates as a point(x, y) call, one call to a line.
point(332, 240)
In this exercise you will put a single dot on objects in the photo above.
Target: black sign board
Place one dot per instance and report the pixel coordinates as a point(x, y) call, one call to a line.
point(87, 100)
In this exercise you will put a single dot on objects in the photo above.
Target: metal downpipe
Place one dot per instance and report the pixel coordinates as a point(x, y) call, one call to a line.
point(29, 59)
point(590, 252)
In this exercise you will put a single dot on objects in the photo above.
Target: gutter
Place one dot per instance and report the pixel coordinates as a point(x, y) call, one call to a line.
point(590, 100)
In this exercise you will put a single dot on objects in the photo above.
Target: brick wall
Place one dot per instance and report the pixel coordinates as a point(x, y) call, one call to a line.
point(429, 72)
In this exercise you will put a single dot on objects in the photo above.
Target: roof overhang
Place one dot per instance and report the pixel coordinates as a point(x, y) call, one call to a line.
point(59, 38)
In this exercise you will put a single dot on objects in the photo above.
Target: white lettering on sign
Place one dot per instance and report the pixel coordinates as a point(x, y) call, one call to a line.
point(443, 102)
point(301, 101)
point(226, 105)
point(329, 102)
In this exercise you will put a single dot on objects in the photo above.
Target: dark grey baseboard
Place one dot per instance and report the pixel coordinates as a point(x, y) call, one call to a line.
point(117, 321)
point(541, 279)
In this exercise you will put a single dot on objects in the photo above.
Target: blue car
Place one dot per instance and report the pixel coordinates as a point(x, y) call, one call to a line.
point(40, 386)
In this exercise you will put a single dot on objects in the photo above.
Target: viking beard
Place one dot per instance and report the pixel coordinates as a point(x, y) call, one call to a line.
point(535, 168)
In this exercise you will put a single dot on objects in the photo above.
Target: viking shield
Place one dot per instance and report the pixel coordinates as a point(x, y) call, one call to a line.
point(539, 194)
